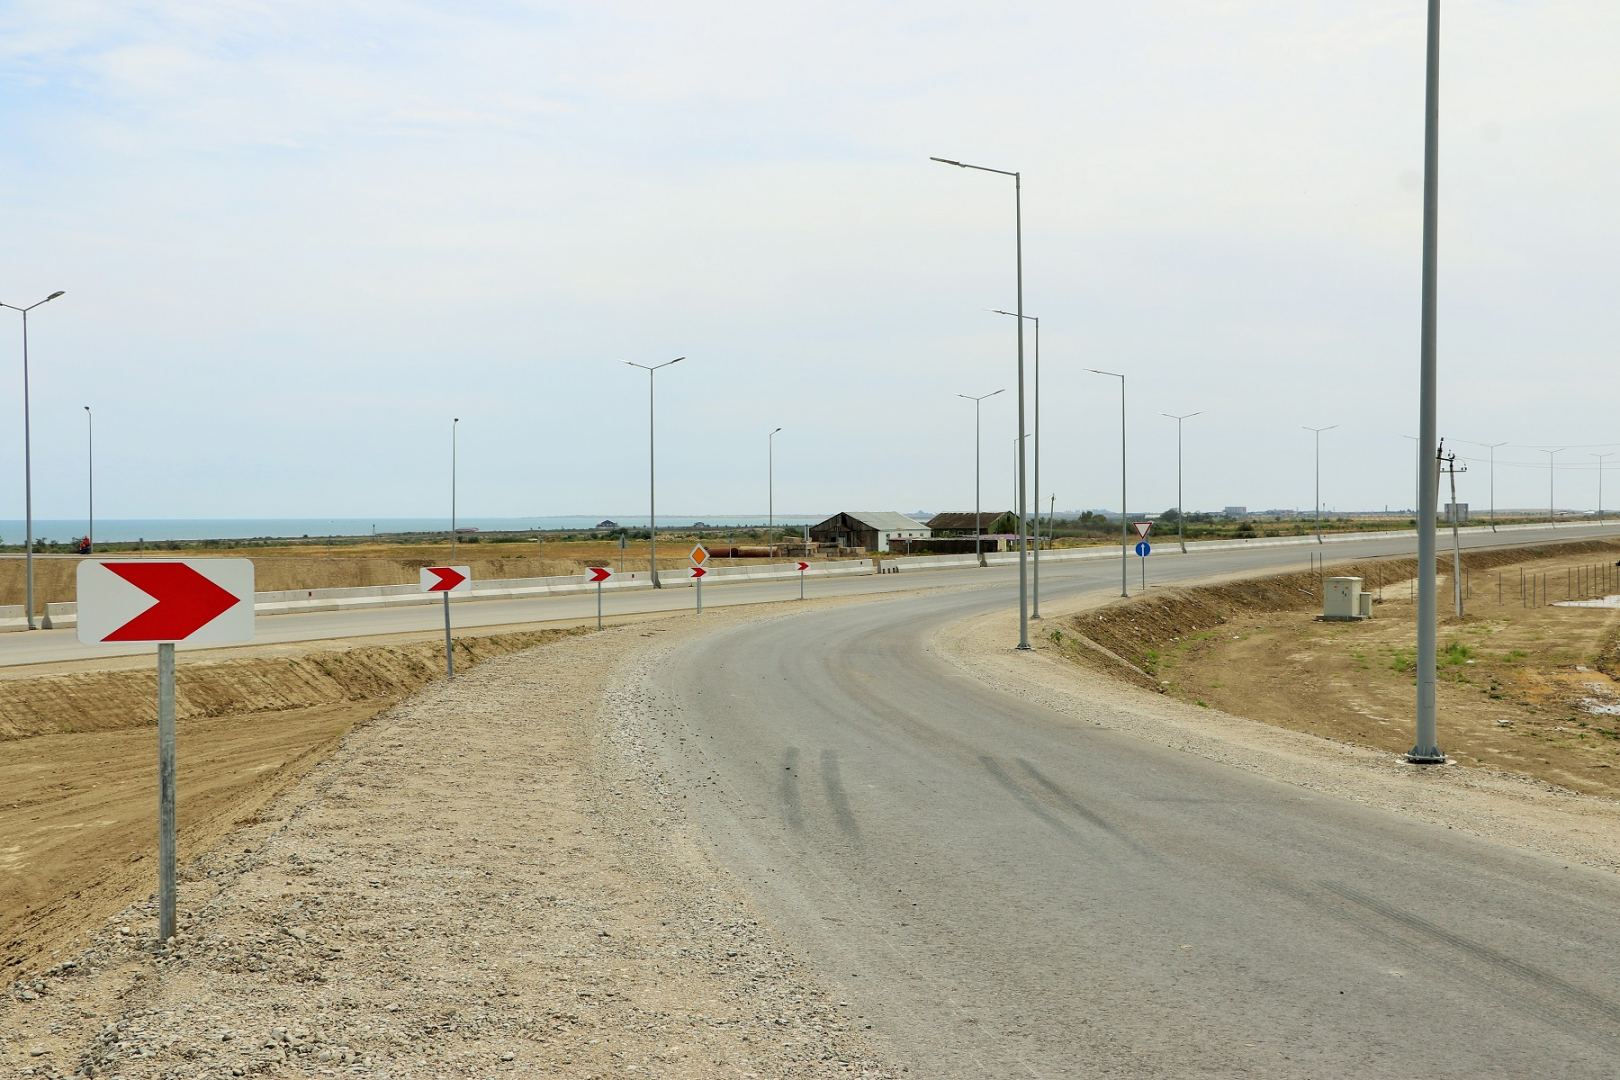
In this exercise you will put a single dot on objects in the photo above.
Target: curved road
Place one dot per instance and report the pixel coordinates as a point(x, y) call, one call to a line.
point(1003, 893)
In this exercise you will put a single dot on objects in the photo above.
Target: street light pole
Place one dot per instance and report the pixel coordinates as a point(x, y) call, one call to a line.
point(1124, 512)
point(1035, 561)
point(454, 423)
point(1600, 458)
point(978, 519)
point(652, 468)
point(1023, 521)
point(1426, 747)
point(1181, 511)
point(89, 465)
point(1552, 502)
point(1319, 431)
point(1492, 447)
point(28, 458)
point(770, 489)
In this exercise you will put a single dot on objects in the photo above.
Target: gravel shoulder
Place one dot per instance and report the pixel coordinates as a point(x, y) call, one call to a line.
point(486, 880)
point(1498, 806)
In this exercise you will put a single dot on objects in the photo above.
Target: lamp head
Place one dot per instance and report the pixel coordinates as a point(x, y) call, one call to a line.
point(948, 161)
point(54, 295)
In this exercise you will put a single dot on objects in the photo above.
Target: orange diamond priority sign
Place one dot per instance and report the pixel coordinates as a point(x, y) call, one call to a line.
point(700, 555)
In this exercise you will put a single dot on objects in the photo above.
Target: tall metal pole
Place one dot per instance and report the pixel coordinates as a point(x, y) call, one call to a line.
point(1600, 458)
point(28, 460)
point(652, 469)
point(454, 423)
point(1124, 512)
point(1492, 447)
point(770, 488)
point(978, 517)
point(1124, 502)
point(1319, 431)
point(1023, 519)
point(1426, 749)
point(166, 818)
point(1552, 502)
point(89, 421)
point(1035, 583)
point(1181, 511)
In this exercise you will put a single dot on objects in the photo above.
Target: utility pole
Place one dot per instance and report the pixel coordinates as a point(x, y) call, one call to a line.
point(1448, 463)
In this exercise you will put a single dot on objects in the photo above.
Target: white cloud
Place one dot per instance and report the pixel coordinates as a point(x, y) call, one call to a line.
point(313, 231)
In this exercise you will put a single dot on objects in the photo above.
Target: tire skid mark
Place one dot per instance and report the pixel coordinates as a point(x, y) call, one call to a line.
point(792, 802)
point(832, 778)
point(1029, 802)
point(1575, 995)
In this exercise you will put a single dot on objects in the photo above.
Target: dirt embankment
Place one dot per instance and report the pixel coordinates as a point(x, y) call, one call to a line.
point(1526, 688)
point(78, 772)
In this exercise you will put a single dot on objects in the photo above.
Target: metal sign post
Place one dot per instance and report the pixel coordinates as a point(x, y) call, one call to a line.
point(599, 574)
point(164, 601)
point(166, 821)
point(699, 555)
point(447, 580)
point(1144, 549)
point(803, 566)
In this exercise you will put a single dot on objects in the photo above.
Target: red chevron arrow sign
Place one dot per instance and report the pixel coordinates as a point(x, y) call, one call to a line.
point(803, 566)
point(197, 601)
point(698, 571)
point(599, 574)
point(446, 579)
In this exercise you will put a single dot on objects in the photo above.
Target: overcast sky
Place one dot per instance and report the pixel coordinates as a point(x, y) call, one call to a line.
point(297, 238)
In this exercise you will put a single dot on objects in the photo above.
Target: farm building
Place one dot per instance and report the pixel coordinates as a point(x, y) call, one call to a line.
point(960, 523)
point(869, 530)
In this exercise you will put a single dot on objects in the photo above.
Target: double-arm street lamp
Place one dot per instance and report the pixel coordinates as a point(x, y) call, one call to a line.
point(1600, 458)
point(1023, 527)
point(1319, 431)
point(652, 467)
point(1552, 499)
point(1035, 560)
point(1492, 448)
point(1181, 511)
point(1124, 513)
point(28, 457)
point(978, 519)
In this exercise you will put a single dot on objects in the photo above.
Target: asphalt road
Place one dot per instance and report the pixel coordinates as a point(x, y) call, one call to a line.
point(48, 646)
point(1003, 893)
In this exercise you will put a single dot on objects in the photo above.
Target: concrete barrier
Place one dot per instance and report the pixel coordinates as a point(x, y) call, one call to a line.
point(294, 601)
point(13, 617)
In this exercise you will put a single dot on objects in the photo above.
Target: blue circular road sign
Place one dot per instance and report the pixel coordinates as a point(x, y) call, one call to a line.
point(1143, 548)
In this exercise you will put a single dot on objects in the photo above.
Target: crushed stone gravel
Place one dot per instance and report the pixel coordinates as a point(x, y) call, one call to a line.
point(485, 881)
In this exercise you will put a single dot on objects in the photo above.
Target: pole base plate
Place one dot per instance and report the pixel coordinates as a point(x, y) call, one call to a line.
point(1431, 756)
